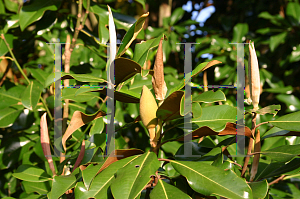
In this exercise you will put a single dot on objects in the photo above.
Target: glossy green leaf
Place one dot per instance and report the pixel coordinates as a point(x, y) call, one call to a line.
point(216, 117)
point(3, 48)
point(177, 14)
point(35, 11)
point(9, 115)
point(98, 126)
point(285, 90)
point(89, 174)
point(53, 77)
point(291, 101)
point(274, 132)
point(197, 110)
point(239, 31)
point(259, 189)
point(293, 13)
point(283, 153)
point(142, 50)
point(200, 68)
point(289, 122)
point(210, 96)
point(131, 34)
point(31, 95)
point(11, 5)
point(290, 168)
point(203, 66)
point(31, 173)
point(277, 39)
point(70, 93)
point(60, 185)
point(101, 183)
point(207, 180)
point(40, 188)
point(164, 190)
point(38, 74)
point(10, 97)
point(131, 179)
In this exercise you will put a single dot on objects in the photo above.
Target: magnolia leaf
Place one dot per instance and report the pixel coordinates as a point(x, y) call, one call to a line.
point(289, 122)
point(131, 34)
point(170, 108)
point(230, 129)
point(79, 119)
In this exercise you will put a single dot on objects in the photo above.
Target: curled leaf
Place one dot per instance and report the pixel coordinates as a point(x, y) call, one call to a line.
point(230, 129)
point(79, 119)
point(45, 142)
point(254, 78)
point(158, 82)
point(80, 156)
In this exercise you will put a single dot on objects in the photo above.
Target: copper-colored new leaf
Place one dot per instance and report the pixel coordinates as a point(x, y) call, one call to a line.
point(170, 108)
point(45, 142)
point(79, 119)
point(210, 64)
point(80, 156)
point(158, 82)
point(125, 69)
point(118, 155)
point(230, 129)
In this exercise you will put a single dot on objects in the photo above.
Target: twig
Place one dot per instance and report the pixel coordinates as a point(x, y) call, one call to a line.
point(261, 124)
point(163, 159)
point(22, 72)
point(80, 22)
point(3, 57)
point(205, 82)
point(250, 144)
point(277, 180)
point(77, 27)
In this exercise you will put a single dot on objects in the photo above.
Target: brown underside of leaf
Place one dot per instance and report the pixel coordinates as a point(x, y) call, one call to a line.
point(79, 119)
point(230, 129)
point(172, 105)
point(118, 155)
point(45, 142)
point(210, 64)
point(158, 82)
point(125, 69)
point(80, 156)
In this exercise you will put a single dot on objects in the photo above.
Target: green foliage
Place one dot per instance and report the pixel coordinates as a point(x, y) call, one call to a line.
point(134, 169)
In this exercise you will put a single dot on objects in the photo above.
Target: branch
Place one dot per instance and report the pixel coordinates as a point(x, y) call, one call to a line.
point(250, 144)
point(277, 180)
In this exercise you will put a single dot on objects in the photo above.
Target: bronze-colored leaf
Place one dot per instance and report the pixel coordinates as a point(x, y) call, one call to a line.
point(158, 82)
point(45, 142)
point(125, 69)
point(129, 97)
point(118, 155)
point(230, 129)
point(80, 156)
point(78, 120)
point(170, 108)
